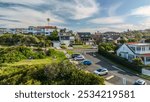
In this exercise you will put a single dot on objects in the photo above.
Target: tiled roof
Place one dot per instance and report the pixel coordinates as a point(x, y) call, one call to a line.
point(147, 54)
point(47, 27)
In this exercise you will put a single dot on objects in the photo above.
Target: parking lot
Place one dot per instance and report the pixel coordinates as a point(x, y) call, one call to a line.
point(116, 75)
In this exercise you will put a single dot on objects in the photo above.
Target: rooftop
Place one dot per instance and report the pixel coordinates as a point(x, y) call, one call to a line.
point(138, 44)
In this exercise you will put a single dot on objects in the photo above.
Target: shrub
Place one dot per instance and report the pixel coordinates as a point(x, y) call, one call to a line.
point(55, 74)
point(15, 54)
point(63, 46)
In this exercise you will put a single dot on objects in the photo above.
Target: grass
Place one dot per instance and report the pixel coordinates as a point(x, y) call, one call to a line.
point(45, 61)
point(145, 77)
point(32, 62)
point(82, 46)
point(70, 52)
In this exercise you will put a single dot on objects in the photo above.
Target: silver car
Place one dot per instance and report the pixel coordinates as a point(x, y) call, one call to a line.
point(79, 58)
point(101, 71)
point(140, 82)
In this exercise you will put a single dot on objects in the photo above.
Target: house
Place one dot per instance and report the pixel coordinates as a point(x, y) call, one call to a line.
point(46, 30)
point(85, 37)
point(13, 30)
point(130, 51)
point(3, 30)
point(66, 38)
point(115, 38)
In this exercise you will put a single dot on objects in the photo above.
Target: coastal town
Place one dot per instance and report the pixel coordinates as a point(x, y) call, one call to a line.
point(121, 58)
point(74, 42)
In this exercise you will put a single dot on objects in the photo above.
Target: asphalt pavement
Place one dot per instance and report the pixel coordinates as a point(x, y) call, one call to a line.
point(116, 75)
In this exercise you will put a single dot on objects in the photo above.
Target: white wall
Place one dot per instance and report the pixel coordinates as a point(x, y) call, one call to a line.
point(141, 51)
point(56, 44)
point(125, 49)
point(146, 72)
point(66, 42)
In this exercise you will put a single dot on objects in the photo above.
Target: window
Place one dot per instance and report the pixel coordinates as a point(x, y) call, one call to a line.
point(148, 59)
point(133, 48)
point(130, 57)
point(143, 48)
point(138, 48)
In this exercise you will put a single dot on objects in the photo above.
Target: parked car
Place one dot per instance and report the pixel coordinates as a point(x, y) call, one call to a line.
point(79, 58)
point(101, 71)
point(86, 62)
point(75, 55)
point(140, 82)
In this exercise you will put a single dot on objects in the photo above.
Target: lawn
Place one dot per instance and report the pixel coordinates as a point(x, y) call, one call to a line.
point(32, 62)
point(45, 61)
point(82, 46)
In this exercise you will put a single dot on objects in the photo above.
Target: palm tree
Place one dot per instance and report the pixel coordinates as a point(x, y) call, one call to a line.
point(48, 20)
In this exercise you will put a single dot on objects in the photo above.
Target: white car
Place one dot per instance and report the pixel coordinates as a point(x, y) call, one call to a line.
point(79, 58)
point(140, 82)
point(101, 71)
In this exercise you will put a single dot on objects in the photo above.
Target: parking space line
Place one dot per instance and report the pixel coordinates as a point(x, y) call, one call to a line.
point(118, 68)
point(110, 77)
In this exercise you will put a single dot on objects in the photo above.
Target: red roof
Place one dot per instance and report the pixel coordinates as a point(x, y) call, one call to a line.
point(148, 54)
point(47, 27)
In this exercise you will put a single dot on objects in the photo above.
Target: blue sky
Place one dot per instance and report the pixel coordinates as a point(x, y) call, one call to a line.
point(78, 15)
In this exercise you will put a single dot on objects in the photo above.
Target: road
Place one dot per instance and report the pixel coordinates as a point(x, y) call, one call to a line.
point(116, 76)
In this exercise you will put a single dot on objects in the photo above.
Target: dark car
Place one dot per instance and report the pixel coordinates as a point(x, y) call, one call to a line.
point(86, 62)
point(75, 55)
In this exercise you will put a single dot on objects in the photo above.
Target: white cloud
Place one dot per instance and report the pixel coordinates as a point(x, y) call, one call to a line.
point(112, 10)
point(76, 9)
point(85, 8)
point(28, 17)
point(24, 1)
point(107, 20)
point(141, 11)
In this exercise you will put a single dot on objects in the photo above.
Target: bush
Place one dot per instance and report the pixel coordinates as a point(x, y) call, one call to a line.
point(63, 73)
point(27, 40)
point(63, 46)
point(15, 54)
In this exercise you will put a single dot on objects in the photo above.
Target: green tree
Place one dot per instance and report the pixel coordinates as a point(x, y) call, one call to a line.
point(137, 61)
point(54, 35)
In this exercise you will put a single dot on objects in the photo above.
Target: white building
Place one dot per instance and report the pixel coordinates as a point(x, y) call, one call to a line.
point(46, 30)
point(66, 38)
point(135, 50)
point(3, 30)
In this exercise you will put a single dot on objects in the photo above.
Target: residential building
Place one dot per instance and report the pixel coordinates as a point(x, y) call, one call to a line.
point(114, 37)
point(66, 38)
point(46, 30)
point(3, 30)
point(130, 51)
point(85, 37)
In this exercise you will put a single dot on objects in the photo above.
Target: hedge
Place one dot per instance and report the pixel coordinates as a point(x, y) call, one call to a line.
point(120, 60)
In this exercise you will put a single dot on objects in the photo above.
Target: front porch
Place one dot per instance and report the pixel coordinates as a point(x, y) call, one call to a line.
point(146, 59)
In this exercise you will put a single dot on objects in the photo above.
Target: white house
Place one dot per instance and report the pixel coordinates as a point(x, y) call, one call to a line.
point(46, 30)
point(135, 50)
point(66, 38)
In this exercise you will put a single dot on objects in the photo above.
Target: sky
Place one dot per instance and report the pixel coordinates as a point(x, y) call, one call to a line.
point(77, 15)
